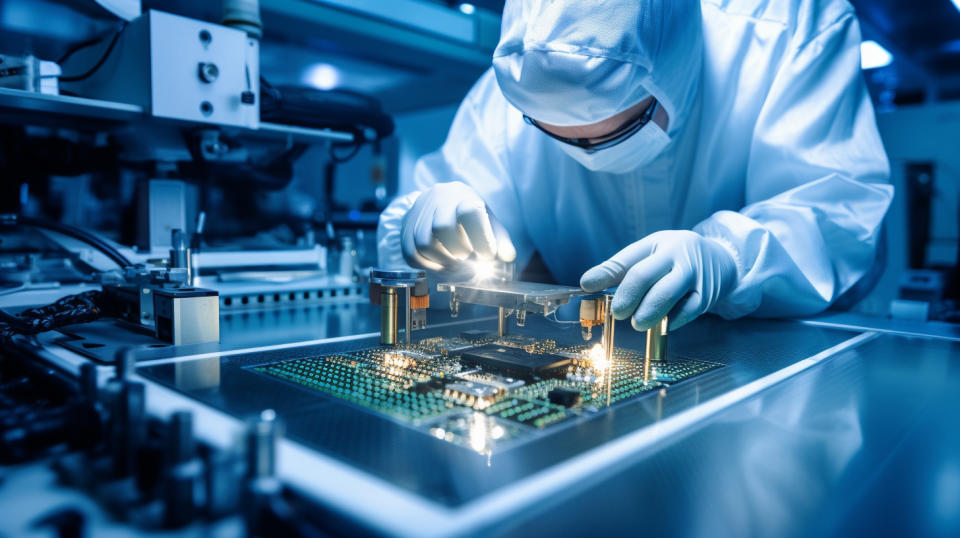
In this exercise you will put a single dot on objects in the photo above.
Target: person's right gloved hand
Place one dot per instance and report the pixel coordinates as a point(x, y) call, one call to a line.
point(447, 224)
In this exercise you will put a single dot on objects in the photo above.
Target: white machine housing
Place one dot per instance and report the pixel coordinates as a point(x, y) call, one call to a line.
point(163, 63)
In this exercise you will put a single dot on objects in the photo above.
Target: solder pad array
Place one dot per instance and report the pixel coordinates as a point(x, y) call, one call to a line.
point(425, 385)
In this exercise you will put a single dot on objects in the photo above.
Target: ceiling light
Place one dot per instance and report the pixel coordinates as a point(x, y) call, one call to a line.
point(468, 9)
point(322, 76)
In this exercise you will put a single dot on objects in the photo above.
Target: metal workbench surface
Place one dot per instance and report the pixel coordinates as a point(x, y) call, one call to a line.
point(820, 427)
point(808, 428)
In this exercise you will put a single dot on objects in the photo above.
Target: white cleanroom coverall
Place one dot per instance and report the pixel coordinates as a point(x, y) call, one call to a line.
point(770, 155)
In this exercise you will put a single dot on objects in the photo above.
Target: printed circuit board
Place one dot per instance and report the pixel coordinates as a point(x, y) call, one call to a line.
point(480, 391)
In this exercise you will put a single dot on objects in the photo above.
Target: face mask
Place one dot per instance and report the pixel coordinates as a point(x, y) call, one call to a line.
point(635, 152)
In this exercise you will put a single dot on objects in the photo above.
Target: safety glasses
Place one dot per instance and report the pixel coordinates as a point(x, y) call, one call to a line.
point(591, 145)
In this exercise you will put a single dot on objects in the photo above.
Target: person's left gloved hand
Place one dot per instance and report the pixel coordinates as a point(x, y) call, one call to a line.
point(675, 272)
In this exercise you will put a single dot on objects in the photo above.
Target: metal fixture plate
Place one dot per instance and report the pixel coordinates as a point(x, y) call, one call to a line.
point(526, 296)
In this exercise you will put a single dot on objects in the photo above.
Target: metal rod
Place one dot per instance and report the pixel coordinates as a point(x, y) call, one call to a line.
point(502, 322)
point(607, 337)
point(407, 315)
point(646, 369)
point(657, 341)
point(388, 316)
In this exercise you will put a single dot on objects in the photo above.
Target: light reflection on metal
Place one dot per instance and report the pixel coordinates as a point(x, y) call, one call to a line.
point(388, 316)
point(385, 286)
point(608, 325)
point(478, 432)
point(407, 314)
point(646, 368)
point(657, 341)
point(609, 376)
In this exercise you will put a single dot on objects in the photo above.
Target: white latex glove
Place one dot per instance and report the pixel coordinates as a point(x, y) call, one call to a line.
point(447, 224)
point(675, 272)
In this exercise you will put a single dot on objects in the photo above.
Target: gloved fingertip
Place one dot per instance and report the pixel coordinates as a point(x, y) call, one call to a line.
point(423, 263)
point(486, 248)
point(485, 254)
point(621, 307)
point(506, 251)
point(675, 323)
point(595, 279)
point(641, 324)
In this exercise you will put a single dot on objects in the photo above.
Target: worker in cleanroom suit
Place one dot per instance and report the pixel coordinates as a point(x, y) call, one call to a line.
point(705, 156)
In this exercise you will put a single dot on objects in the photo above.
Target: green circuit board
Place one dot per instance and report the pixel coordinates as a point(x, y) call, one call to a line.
point(481, 391)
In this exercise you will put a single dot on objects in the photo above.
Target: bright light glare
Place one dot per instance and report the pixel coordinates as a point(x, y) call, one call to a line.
point(873, 55)
point(483, 270)
point(956, 4)
point(323, 76)
point(598, 359)
point(479, 433)
point(467, 8)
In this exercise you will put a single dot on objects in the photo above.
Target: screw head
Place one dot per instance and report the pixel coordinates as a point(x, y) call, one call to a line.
point(208, 72)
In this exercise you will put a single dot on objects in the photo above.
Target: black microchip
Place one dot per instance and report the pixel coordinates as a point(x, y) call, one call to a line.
point(473, 335)
point(565, 397)
point(514, 362)
point(434, 383)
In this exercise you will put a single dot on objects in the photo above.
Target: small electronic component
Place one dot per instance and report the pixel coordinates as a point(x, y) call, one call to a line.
point(491, 379)
point(187, 315)
point(429, 385)
point(592, 313)
point(515, 362)
point(565, 397)
point(472, 394)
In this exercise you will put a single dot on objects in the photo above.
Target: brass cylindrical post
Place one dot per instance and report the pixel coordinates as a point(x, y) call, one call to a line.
point(407, 314)
point(657, 341)
point(388, 316)
point(608, 321)
point(502, 322)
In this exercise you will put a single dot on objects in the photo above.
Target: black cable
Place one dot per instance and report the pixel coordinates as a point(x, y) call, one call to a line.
point(16, 323)
point(100, 62)
point(77, 308)
point(106, 248)
point(78, 47)
point(354, 149)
